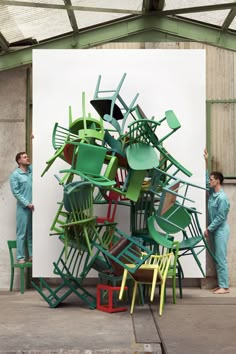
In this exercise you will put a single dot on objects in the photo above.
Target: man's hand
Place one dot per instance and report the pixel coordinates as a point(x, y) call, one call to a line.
point(205, 155)
point(31, 207)
point(206, 233)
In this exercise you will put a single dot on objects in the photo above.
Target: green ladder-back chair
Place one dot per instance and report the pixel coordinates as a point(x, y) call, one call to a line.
point(72, 267)
point(110, 105)
point(129, 252)
point(78, 202)
point(88, 161)
point(24, 266)
point(166, 242)
point(140, 211)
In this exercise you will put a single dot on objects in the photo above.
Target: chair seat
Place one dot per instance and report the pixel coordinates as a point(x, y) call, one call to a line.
point(190, 242)
point(141, 157)
point(100, 181)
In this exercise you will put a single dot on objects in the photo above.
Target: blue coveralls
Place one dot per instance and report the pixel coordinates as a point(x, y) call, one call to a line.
point(21, 187)
point(218, 208)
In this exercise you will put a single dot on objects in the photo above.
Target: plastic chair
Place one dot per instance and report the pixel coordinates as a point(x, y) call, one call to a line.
point(111, 106)
point(153, 272)
point(27, 265)
point(88, 161)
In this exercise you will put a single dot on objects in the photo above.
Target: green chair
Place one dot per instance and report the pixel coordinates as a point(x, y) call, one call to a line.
point(110, 105)
point(88, 161)
point(60, 136)
point(78, 202)
point(130, 251)
point(27, 265)
point(172, 122)
point(179, 218)
point(72, 267)
point(88, 128)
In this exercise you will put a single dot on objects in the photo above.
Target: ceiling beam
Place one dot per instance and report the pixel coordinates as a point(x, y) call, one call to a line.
point(122, 30)
point(204, 8)
point(4, 43)
point(71, 16)
point(229, 19)
point(68, 7)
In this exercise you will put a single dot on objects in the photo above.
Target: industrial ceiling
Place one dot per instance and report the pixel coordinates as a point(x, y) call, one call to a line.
point(25, 25)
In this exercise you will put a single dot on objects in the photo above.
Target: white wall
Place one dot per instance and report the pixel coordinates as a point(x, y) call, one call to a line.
point(164, 79)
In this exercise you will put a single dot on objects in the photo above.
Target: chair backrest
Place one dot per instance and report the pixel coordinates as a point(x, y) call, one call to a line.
point(159, 238)
point(11, 245)
point(78, 200)
point(90, 158)
point(176, 219)
point(140, 212)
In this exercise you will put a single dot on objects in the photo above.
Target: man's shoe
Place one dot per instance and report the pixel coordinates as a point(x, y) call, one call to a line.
point(21, 261)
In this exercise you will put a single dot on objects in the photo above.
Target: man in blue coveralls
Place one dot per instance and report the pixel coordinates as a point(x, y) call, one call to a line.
point(21, 187)
point(218, 228)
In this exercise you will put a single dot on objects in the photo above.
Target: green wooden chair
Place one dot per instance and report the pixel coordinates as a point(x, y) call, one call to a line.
point(179, 218)
point(80, 226)
point(129, 252)
point(88, 161)
point(88, 128)
point(25, 266)
point(72, 267)
point(110, 105)
point(172, 122)
point(60, 136)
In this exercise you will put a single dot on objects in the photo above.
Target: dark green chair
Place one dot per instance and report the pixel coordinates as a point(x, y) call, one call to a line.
point(25, 266)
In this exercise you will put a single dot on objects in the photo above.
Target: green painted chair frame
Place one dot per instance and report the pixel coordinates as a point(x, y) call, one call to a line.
point(22, 267)
point(88, 161)
point(130, 253)
point(111, 106)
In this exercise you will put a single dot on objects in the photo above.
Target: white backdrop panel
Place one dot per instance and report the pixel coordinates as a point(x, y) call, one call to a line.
point(165, 80)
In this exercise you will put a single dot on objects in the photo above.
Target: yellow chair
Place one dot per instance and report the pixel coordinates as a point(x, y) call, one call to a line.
point(22, 266)
point(153, 272)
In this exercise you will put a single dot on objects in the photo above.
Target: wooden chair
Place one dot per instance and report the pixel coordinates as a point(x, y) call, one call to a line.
point(27, 265)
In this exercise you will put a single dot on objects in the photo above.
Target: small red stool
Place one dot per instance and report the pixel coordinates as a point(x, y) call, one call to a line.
point(109, 306)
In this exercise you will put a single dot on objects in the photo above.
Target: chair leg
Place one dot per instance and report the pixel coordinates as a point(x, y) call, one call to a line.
point(174, 288)
point(22, 280)
point(162, 296)
point(12, 278)
point(198, 262)
point(180, 285)
point(133, 297)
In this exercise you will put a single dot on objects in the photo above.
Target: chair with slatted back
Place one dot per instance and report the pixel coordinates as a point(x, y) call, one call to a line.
point(154, 272)
point(60, 136)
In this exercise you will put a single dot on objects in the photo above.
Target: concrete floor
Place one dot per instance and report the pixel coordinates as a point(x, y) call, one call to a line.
point(200, 323)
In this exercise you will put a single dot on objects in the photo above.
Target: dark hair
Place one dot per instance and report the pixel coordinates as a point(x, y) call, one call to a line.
point(18, 155)
point(217, 175)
